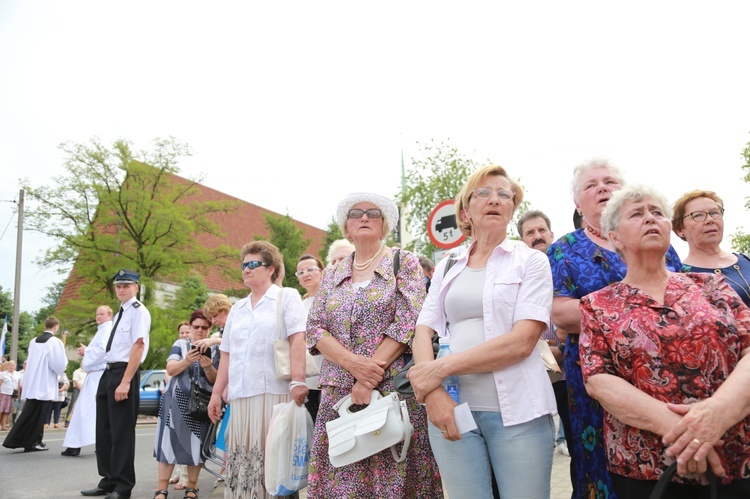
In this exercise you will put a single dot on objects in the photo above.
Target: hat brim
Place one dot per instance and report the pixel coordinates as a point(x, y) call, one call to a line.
point(387, 206)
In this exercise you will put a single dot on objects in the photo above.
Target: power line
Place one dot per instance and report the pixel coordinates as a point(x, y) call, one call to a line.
point(10, 220)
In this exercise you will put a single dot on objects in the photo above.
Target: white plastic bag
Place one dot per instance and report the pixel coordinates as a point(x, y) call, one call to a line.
point(288, 446)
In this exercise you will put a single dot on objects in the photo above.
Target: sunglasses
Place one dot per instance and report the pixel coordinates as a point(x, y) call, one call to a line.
point(205, 328)
point(371, 213)
point(253, 264)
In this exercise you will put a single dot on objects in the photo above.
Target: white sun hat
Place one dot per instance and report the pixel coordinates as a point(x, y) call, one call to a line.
point(388, 207)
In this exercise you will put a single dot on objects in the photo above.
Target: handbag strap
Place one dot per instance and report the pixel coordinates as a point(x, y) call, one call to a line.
point(665, 479)
point(279, 313)
point(408, 430)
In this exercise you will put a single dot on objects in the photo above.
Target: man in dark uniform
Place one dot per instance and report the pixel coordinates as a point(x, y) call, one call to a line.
point(118, 394)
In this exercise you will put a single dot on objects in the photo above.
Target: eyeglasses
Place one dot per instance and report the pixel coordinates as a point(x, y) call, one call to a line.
point(308, 270)
point(253, 264)
point(205, 328)
point(700, 216)
point(371, 213)
point(486, 192)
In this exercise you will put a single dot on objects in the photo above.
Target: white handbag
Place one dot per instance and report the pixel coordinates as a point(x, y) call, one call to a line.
point(357, 435)
point(282, 354)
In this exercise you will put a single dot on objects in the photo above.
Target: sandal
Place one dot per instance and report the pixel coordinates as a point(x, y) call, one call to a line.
point(191, 490)
point(180, 486)
point(164, 493)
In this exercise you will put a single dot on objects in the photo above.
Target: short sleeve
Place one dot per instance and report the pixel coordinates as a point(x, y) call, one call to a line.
point(409, 293)
point(596, 355)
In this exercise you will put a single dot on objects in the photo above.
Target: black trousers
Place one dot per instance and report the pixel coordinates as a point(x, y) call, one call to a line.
point(115, 432)
point(563, 411)
point(29, 428)
point(631, 488)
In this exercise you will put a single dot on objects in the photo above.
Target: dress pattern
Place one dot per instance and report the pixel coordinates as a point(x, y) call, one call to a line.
point(358, 319)
point(579, 267)
point(178, 436)
point(679, 352)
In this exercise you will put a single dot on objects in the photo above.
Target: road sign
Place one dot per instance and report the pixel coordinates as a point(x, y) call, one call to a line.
point(442, 226)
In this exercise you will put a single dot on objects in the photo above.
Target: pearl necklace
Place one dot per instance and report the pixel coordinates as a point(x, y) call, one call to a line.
point(363, 266)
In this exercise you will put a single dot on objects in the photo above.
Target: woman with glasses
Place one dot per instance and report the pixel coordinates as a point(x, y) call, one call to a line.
point(362, 322)
point(247, 370)
point(699, 220)
point(310, 272)
point(179, 436)
point(493, 303)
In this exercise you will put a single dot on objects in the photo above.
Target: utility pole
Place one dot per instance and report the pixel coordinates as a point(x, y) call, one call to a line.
point(17, 288)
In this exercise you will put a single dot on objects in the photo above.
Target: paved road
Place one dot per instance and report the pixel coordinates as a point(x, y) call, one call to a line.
point(50, 475)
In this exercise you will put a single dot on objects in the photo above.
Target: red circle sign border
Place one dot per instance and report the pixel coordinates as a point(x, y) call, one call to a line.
point(434, 240)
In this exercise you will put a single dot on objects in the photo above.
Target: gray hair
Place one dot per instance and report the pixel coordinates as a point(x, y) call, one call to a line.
point(580, 170)
point(528, 215)
point(335, 246)
point(638, 192)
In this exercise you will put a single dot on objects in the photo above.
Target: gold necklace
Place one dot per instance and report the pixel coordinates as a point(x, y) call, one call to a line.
point(363, 266)
point(737, 268)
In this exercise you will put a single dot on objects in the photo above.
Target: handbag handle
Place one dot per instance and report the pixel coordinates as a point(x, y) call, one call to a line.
point(343, 405)
point(664, 480)
point(279, 313)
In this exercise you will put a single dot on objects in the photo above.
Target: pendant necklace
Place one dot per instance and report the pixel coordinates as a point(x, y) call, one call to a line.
point(737, 268)
point(363, 266)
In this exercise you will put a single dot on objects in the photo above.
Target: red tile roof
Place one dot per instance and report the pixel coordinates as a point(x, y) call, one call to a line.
point(239, 226)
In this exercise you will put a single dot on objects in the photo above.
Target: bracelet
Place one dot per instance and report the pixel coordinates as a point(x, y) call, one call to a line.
point(295, 384)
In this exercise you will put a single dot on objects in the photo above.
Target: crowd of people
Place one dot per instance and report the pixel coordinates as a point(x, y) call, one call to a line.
point(653, 349)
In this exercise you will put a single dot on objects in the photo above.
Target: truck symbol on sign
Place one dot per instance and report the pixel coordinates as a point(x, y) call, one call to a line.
point(446, 222)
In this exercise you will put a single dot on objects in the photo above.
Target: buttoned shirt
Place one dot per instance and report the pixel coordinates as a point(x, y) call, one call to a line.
point(248, 339)
point(517, 286)
point(134, 324)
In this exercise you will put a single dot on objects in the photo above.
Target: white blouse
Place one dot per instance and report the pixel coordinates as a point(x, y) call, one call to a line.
point(248, 339)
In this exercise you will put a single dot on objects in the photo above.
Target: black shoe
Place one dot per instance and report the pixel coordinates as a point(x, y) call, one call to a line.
point(36, 448)
point(96, 491)
point(71, 451)
point(115, 495)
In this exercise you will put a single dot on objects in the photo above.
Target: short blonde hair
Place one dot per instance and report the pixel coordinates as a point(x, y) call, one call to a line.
point(215, 305)
point(268, 252)
point(476, 178)
point(680, 207)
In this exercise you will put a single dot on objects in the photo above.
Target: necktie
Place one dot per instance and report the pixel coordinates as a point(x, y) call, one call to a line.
point(114, 328)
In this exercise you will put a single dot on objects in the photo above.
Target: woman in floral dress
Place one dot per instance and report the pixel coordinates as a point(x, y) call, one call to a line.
point(362, 322)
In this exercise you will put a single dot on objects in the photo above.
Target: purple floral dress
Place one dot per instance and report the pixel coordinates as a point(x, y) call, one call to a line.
point(358, 319)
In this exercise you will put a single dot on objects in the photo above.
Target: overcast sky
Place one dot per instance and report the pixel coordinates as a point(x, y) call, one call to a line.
point(290, 105)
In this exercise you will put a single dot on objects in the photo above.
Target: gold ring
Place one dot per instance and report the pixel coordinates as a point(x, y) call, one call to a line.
point(697, 441)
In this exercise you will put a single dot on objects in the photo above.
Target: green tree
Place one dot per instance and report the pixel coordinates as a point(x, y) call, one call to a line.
point(191, 295)
point(25, 326)
point(740, 239)
point(110, 210)
point(437, 174)
point(285, 235)
point(333, 233)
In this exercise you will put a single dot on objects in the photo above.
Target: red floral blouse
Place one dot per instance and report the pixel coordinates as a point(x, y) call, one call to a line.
point(679, 352)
